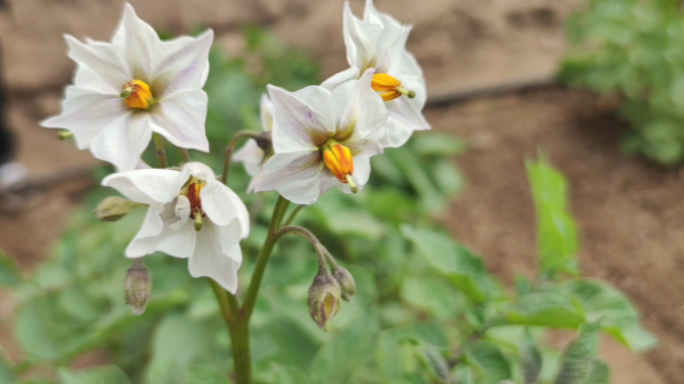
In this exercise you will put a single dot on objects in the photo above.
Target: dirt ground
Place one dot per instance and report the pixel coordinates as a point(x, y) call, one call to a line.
point(628, 210)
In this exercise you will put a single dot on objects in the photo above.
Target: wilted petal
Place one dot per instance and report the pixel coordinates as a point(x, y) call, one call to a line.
point(87, 114)
point(182, 63)
point(210, 260)
point(123, 141)
point(147, 186)
point(181, 117)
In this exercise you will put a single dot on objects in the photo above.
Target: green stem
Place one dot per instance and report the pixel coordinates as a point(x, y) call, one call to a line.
point(161, 153)
point(231, 148)
point(292, 216)
point(186, 155)
point(242, 354)
point(230, 308)
point(264, 256)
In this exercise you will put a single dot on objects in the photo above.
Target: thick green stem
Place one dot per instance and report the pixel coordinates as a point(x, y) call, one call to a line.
point(230, 308)
point(242, 354)
point(161, 153)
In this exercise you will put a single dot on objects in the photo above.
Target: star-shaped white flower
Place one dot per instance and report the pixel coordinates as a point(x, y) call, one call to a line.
point(251, 154)
point(323, 139)
point(379, 42)
point(191, 215)
point(135, 85)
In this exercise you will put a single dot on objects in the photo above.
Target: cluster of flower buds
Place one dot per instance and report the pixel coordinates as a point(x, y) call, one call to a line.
point(137, 87)
point(329, 289)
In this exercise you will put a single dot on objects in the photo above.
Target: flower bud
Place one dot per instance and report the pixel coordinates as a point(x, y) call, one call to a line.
point(265, 142)
point(114, 208)
point(346, 281)
point(138, 286)
point(324, 298)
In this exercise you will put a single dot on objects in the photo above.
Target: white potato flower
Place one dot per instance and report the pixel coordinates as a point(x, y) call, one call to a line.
point(252, 155)
point(125, 90)
point(323, 139)
point(191, 215)
point(378, 41)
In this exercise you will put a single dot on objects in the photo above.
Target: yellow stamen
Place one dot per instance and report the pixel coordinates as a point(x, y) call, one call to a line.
point(389, 87)
point(137, 95)
point(339, 160)
point(198, 221)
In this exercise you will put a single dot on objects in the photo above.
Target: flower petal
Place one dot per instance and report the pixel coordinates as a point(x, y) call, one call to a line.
point(406, 116)
point(102, 59)
point(303, 118)
point(359, 38)
point(123, 141)
point(266, 113)
point(211, 260)
point(251, 155)
point(223, 206)
point(147, 186)
point(390, 38)
point(143, 243)
point(182, 64)
point(181, 118)
point(358, 104)
point(296, 176)
point(87, 114)
point(141, 44)
point(340, 78)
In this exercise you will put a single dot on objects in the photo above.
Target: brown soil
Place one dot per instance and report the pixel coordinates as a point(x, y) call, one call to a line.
point(628, 210)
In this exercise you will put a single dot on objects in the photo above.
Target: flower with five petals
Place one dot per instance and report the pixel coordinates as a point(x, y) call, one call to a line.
point(125, 90)
point(191, 215)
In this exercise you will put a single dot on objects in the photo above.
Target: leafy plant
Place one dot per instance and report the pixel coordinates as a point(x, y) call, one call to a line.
point(426, 309)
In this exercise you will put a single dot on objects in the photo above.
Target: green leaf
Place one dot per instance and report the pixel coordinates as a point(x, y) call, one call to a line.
point(600, 373)
point(556, 233)
point(6, 372)
point(10, 274)
point(101, 375)
point(462, 267)
point(282, 374)
point(615, 313)
point(437, 144)
point(488, 361)
point(36, 331)
point(434, 361)
point(167, 372)
point(531, 359)
point(578, 357)
point(551, 308)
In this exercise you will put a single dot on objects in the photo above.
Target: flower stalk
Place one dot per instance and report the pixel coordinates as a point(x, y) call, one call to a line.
point(161, 153)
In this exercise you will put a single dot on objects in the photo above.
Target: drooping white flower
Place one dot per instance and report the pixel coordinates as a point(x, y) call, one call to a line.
point(252, 155)
point(191, 215)
point(379, 42)
point(135, 85)
point(323, 139)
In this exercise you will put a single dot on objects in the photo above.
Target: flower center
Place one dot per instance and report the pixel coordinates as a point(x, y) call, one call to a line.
point(339, 161)
point(137, 95)
point(389, 87)
point(192, 190)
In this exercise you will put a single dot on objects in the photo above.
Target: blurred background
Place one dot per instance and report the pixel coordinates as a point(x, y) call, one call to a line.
point(491, 68)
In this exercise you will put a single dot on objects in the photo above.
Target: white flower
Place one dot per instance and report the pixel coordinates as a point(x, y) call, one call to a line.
point(135, 85)
point(323, 139)
point(191, 215)
point(251, 154)
point(379, 42)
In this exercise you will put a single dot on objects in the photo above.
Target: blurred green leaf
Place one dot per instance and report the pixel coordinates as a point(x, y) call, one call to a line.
point(462, 267)
point(163, 371)
point(36, 331)
point(10, 274)
point(551, 308)
point(437, 144)
point(282, 374)
point(531, 359)
point(7, 375)
point(556, 233)
point(600, 373)
point(101, 375)
point(578, 357)
point(488, 361)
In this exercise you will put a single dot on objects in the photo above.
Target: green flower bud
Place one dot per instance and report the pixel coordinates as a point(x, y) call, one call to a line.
point(324, 298)
point(63, 135)
point(138, 286)
point(346, 280)
point(114, 208)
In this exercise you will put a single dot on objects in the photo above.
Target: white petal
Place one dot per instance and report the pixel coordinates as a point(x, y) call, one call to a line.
point(182, 211)
point(211, 260)
point(266, 113)
point(340, 78)
point(357, 103)
point(157, 235)
point(182, 64)
point(302, 119)
point(87, 114)
point(296, 177)
point(200, 171)
point(390, 34)
point(405, 116)
point(180, 242)
point(123, 141)
point(141, 44)
point(148, 186)
point(101, 58)
point(251, 155)
point(359, 38)
point(222, 206)
point(144, 242)
point(256, 179)
point(88, 79)
point(181, 117)
point(394, 50)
